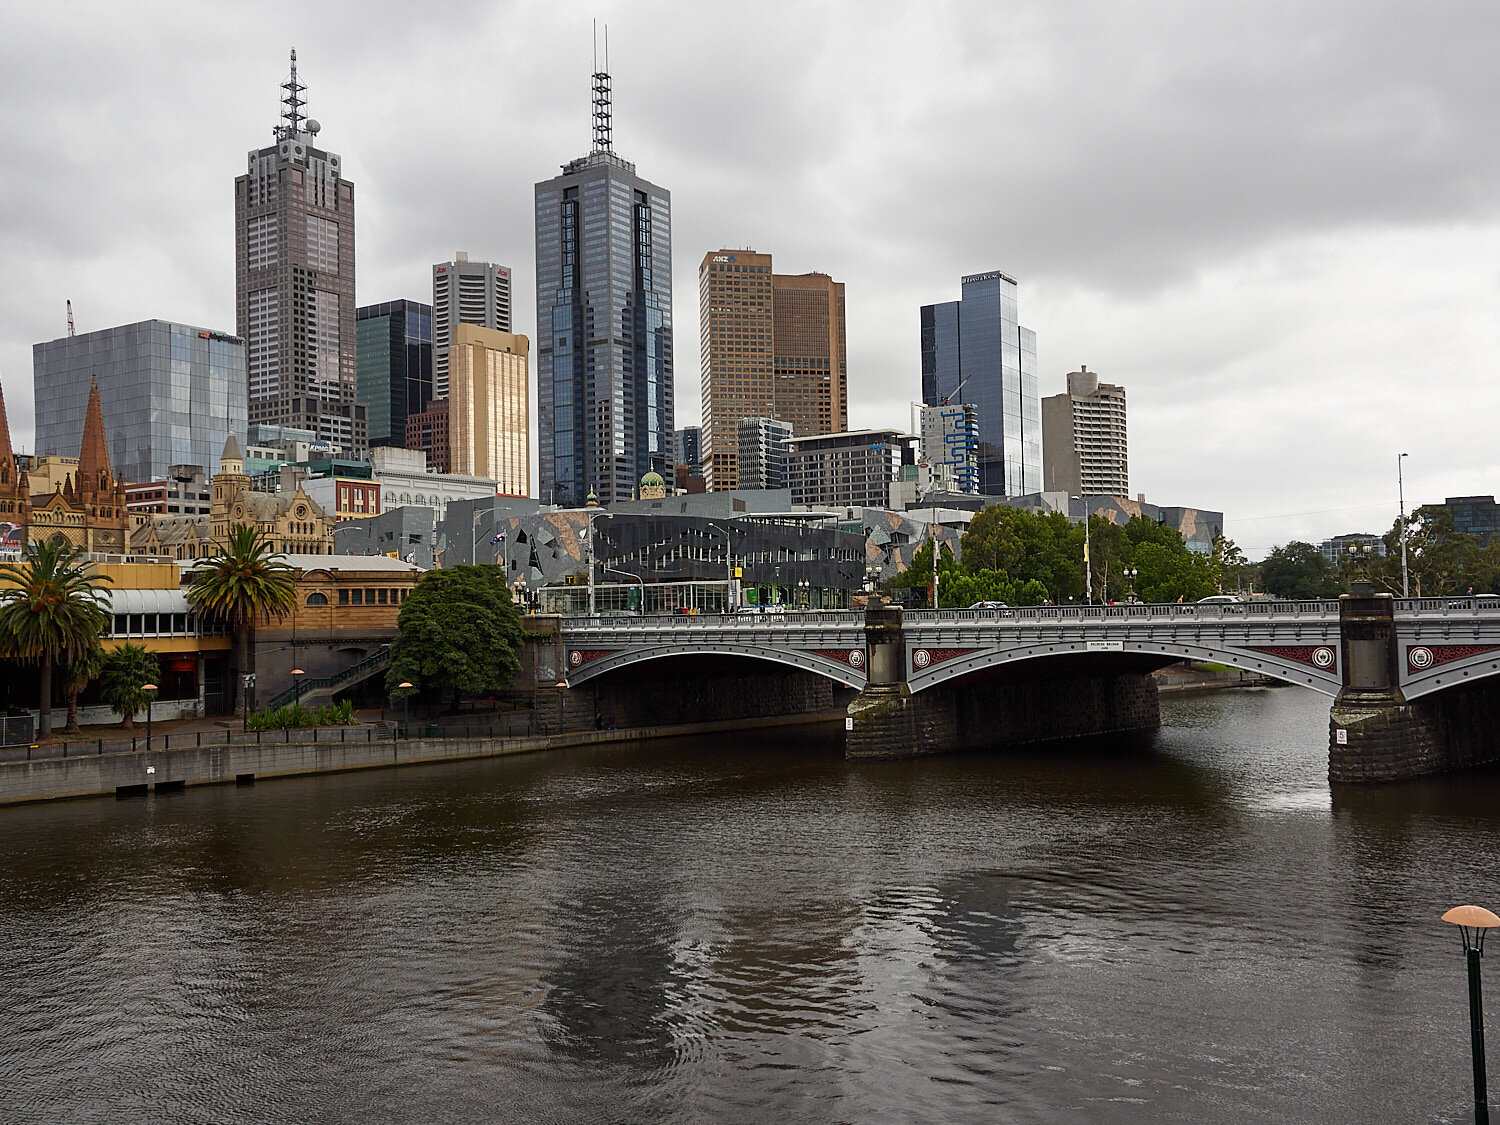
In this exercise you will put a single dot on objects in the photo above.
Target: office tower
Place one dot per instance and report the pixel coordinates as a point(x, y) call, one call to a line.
point(427, 430)
point(489, 423)
point(687, 448)
point(465, 292)
point(734, 320)
point(393, 346)
point(811, 358)
point(762, 452)
point(852, 469)
point(950, 445)
point(974, 351)
point(604, 323)
point(294, 281)
point(1083, 438)
point(773, 345)
point(171, 393)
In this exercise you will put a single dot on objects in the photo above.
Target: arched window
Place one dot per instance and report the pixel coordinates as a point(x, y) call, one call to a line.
point(317, 599)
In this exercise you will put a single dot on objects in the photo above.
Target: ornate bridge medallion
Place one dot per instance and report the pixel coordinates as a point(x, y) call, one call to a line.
point(925, 657)
point(1321, 657)
point(1419, 658)
point(854, 657)
point(581, 656)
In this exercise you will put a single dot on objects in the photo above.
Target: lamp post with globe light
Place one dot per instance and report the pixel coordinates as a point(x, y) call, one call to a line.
point(150, 690)
point(1474, 922)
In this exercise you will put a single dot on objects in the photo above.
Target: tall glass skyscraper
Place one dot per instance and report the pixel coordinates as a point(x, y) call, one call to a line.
point(171, 394)
point(604, 324)
point(974, 351)
point(395, 363)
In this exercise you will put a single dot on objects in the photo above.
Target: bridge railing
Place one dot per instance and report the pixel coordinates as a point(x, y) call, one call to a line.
point(831, 618)
point(1484, 605)
point(1137, 611)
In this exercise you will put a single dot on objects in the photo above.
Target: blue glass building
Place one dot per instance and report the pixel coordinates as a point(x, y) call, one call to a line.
point(604, 324)
point(974, 351)
point(394, 361)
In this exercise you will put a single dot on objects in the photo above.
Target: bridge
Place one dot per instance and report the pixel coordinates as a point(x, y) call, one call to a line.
point(1073, 669)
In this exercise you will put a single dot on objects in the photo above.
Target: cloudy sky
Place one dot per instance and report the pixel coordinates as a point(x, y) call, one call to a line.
point(1276, 223)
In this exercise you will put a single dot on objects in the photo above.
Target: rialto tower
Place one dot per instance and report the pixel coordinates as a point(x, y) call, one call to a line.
point(604, 323)
point(294, 281)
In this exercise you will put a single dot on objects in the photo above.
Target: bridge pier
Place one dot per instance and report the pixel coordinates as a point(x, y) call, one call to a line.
point(1374, 733)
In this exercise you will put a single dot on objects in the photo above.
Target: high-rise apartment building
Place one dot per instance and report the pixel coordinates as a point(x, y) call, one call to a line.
point(950, 445)
point(465, 292)
point(1084, 451)
point(762, 452)
point(294, 281)
point(427, 430)
point(853, 469)
point(772, 345)
point(604, 323)
point(489, 422)
point(171, 393)
point(974, 351)
point(393, 346)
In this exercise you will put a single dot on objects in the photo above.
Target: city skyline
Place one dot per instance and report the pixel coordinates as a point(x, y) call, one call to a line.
point(1208, 216)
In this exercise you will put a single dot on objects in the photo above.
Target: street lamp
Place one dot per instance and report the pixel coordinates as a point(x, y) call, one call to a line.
point(1130, 574)
point(1473, 921)
point(405, 688)
point(150, 690)
point(593, 514)
point(640, 583)
point(297, 674)
point(729, 606)
point(803, 586)
point(1401, 502)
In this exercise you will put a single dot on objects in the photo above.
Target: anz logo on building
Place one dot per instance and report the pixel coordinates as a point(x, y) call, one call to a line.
point(723, 257)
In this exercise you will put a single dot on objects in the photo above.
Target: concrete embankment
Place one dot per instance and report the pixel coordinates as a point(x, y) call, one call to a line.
point(137, 772)
point(1196, 677)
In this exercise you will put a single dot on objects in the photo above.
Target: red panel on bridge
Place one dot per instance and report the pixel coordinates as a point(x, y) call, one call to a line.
point(581, 656)
point(1321, 657)
point(854, 657)
point(926, 657)
point(1419, 658)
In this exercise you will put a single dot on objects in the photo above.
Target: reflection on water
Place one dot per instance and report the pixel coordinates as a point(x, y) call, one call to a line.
point(1187, 927)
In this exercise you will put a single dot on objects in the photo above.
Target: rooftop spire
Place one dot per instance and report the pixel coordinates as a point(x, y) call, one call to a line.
point(93, 455)
point(7, 456)
point(603, 123)
point(292, 102)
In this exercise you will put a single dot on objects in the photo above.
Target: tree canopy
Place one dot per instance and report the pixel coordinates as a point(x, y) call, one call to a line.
point(459, 632)
point(1299, 571)
point(125, 671)
point(242, 584)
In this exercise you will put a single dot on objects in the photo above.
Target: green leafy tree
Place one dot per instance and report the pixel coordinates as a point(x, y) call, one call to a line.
point(1299, 571)
point(918, 574)
point(76, 675)
point(1028, 547)
point(242, 585)
point(1229, 562)
point(1442, 561)
point(52, 610)
point(125, 670)
point(460, 634)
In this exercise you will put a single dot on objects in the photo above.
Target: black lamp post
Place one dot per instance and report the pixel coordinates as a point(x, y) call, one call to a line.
point(1130, 574)
point(297, 674)
point(1473, 921)
point(150, 690)
point(405, 688)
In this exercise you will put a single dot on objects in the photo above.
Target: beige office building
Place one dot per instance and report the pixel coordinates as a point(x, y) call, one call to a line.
point(489, 413)
point(772, 346)
point(1084, 448)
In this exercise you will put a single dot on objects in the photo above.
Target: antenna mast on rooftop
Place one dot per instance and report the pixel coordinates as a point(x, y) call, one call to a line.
point(603, 125)
point(292, 102)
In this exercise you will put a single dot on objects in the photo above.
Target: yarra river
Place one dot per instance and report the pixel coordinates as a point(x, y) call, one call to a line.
point(1189, 927)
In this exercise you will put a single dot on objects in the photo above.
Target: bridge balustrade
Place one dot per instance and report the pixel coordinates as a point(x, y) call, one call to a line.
point(1449, 607)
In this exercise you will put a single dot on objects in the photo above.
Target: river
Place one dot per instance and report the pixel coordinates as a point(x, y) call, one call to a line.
point(1186, 927)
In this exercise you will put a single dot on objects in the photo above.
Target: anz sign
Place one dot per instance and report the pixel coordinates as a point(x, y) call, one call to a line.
point(723, 257)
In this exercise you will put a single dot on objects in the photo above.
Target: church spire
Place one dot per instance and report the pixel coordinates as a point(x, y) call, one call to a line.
point(93, 454)
point(7, 455)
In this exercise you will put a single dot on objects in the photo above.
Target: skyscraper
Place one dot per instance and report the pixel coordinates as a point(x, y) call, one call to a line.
point(465, 292)
point(171, 393)
point(393, 345)
point(604, 323)
point(294, 281)
point(1084, 451)
point(763, 452)
point(489, 424)
point(974, 351)
point(950, 445)
point(773, 345)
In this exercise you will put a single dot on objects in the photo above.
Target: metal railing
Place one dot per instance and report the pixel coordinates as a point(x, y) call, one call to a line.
point(1470, 606)
point(380, 658)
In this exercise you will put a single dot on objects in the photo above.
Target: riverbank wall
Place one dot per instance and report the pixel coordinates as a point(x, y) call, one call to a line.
point(132, 773)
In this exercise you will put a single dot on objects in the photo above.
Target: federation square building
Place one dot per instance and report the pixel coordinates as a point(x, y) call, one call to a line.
point(604, 324)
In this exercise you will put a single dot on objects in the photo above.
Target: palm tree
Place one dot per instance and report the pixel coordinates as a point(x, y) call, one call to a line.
point(77, 674)
point(125, 671)
point(242, 584)
point(52, 611)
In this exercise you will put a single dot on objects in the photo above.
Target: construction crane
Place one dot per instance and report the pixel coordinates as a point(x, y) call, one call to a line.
point(70, 318)
point(953, 394)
